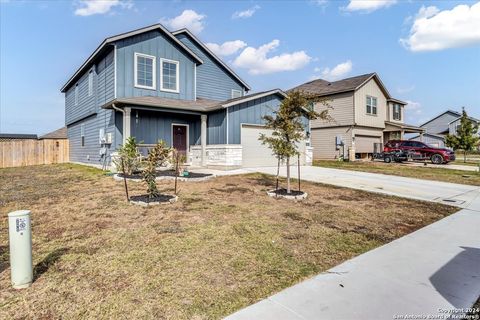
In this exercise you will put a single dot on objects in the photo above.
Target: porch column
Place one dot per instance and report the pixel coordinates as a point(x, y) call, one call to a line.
point(203, 139)
point(402, 133)
point(126, 124)
point(421, 137)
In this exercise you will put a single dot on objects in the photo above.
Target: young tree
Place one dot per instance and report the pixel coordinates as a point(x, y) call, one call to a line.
point(156, 157)
point(178, 161)
point(466, 137)
point(128, 160)
point(288, 128)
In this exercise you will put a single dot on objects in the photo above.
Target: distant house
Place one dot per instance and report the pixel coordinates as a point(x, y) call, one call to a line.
point(364, 114)
point(17, 136)
point(153, 84)
point(437, 128)
point(55, 135)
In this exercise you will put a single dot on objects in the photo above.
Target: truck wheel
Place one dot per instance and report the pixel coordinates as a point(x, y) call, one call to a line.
point(436, 159)
point(387, 159)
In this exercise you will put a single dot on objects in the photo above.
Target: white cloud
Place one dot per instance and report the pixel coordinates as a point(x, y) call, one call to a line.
point(187, 19)
point(257, 62)
point(246, 13)
point(227, 48)
point(91, 7)
point(368, 6)
point(337, 72)
point(433, 29)
point(413, 107)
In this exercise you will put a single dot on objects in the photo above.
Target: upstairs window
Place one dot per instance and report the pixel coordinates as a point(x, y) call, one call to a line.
point(90, 83)
point(397, 112)
point(371, 105)
point(144, 71)
point(76, 94)
point(236, 93)
point(169, 71)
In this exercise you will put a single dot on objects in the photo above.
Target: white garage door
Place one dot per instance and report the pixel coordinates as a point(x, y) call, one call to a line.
point(364, 144)
point(254, 153)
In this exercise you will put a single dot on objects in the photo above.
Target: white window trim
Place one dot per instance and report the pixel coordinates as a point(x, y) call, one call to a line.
point(239, 91)
point(90, 82)
point(177, 76)
point(154, 71)
point(371, 106)
point(399, 118)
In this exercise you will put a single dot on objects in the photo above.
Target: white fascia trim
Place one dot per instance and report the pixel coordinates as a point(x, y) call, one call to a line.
point(154, 71)
point(254, 96)
point(177, 77)
point(115, 71)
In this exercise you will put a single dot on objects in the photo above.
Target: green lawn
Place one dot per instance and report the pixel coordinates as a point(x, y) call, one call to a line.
point(428, 173)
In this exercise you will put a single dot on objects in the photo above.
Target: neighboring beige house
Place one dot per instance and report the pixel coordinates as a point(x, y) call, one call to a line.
point(364, 114)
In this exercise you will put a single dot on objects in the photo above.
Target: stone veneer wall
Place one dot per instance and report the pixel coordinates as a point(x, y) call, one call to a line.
point(229, 155)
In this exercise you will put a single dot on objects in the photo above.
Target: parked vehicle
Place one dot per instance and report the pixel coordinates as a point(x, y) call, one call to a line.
point(420, 151)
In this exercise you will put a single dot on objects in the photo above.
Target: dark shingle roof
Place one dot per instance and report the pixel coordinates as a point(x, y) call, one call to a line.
point(323, 87)
point(57, 134)
point(199, 105)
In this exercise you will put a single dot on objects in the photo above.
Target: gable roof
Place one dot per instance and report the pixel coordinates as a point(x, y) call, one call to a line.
point(57, 134)
point(211, 54)
point(323, 87)
point(199, 105)
point(108, 41)
point(441, 114)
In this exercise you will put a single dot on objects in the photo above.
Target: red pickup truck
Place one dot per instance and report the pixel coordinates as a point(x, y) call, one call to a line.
point(420, 151)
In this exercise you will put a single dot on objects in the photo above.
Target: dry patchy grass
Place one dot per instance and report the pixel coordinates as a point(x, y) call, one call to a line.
point(428, 173)
point(222, 246)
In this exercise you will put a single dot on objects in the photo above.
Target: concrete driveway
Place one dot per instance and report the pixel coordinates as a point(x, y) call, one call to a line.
point(431, 272)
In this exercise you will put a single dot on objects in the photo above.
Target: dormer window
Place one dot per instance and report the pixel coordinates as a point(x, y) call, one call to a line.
point(145, 71)
point(397, 112)
point(169, 75)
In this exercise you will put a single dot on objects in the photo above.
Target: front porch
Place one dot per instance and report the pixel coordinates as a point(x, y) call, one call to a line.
point(397, 131)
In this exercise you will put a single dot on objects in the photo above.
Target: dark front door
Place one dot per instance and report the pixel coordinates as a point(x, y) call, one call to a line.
point(180, 138)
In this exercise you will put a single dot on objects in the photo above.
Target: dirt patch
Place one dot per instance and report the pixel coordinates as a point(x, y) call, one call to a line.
point(222, 246)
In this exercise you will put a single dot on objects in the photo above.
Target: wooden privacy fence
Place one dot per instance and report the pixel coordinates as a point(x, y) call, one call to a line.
point(28, 152)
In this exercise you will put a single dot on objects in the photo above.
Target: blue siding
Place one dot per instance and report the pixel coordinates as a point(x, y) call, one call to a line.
point(105, 70)
point(89, 152)
point(152, 126)
point(217, 127)
point(213, 81)
point(252, 112)
point(156, 44)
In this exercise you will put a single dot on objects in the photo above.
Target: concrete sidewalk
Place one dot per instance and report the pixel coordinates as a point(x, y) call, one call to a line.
point(429, 272)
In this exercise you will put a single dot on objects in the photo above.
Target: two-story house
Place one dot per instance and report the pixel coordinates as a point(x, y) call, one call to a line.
point(363, 114)
point(153, 84)
point(438, 127)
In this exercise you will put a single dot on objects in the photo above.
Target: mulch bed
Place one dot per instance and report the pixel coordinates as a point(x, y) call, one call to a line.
point(283, 192)
point(146, 199)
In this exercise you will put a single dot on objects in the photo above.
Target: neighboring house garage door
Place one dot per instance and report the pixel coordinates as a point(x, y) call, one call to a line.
point(254, 153)
point(364, 144)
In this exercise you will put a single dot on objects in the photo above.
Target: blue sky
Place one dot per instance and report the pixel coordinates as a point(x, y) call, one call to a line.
point(427, 53)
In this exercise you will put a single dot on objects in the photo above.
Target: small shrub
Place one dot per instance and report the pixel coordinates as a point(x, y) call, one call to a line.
point(158, 156)
point(128, 160)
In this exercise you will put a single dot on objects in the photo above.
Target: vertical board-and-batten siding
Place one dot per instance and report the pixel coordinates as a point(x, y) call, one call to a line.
point(213, 81)
point(371, 88)
point(151, 126)
point(340, 108)
point(217, 127)
point(153, 43)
